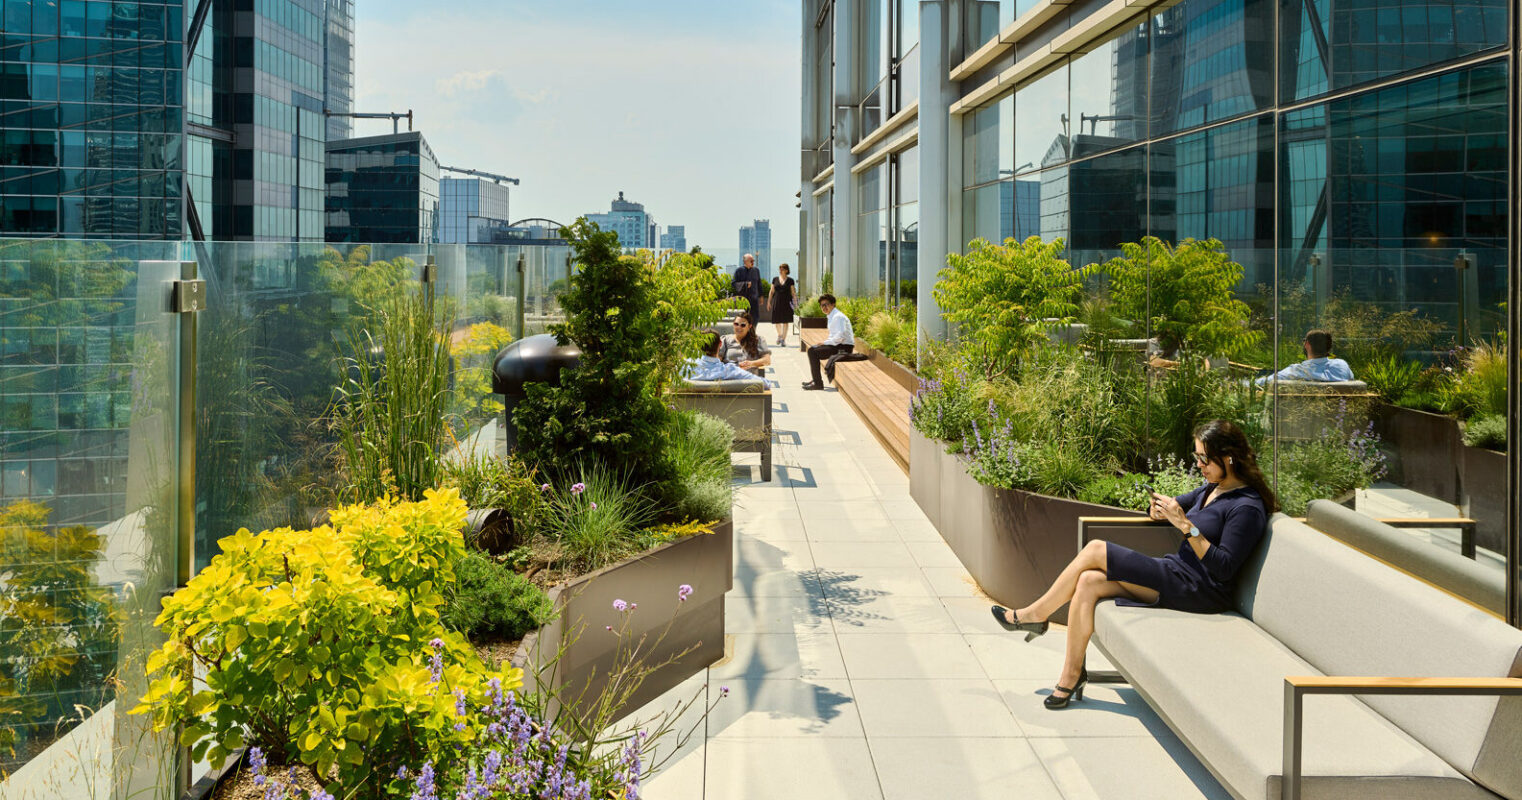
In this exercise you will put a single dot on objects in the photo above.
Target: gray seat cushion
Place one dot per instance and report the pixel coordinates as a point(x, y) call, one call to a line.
point(1348, 614)
point(1219, 682)
point(1484, 586)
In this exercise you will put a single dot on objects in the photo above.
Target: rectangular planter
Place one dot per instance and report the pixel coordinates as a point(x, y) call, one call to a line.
point(925, 474)
point(901, 375)
point(813, 322)
point(668, 627)
point(1425, 450)
point(1483, 481)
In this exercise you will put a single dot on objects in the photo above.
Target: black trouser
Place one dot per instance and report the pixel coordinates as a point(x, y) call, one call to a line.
point(755, 309)
point(822, 352)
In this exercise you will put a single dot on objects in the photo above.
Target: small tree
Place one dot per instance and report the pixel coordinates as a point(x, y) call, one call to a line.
point(689, 296)
point(1187, 293)
point(607, 410)
point(1004, 297)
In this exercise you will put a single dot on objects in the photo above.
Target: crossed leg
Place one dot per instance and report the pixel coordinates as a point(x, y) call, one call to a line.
point(1082, 584)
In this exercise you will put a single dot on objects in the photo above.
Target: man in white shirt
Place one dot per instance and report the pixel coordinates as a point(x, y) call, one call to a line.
point(1317, 365)
point(841, 340)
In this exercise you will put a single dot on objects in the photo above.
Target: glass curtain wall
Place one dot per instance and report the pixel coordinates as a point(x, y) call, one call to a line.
point(1375, 221)
point(887, 66)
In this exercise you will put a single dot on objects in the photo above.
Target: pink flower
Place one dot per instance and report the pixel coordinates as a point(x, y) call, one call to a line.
point(620, 605)
point(683, 592)
point(578, 488)
point(594, 506)
point(544, 487)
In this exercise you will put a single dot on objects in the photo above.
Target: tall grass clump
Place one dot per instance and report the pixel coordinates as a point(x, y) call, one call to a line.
point(595, 520)
point(699, 449)
point(391, 414)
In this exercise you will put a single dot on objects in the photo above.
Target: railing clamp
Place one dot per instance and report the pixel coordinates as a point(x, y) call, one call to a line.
point(189, 295)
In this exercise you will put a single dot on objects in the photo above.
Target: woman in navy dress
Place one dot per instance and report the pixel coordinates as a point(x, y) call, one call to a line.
point(1221, 523)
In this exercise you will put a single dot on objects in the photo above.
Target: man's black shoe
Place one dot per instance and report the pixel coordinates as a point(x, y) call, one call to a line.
point(811, 386)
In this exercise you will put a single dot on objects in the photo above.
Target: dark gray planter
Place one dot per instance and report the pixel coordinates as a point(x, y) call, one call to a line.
point(925, 474)
point(813, 322)
point(901, 375)
point(1424, 448)
point(693, 630)
point(1013, 543)
point(1484, 489)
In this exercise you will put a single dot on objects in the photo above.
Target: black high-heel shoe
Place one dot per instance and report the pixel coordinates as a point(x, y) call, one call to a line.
point(1032, 629)
point(1054, 702)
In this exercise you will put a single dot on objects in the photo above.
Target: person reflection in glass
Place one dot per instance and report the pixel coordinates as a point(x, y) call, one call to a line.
point(1318, 364)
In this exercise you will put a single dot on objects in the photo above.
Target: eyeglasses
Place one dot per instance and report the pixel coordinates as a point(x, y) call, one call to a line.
point(1200, 459)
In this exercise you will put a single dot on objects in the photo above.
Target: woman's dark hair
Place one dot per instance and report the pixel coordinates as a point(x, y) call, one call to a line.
point(711, 347)
point(751, 342)
point(1223, 440)
point(785, 268)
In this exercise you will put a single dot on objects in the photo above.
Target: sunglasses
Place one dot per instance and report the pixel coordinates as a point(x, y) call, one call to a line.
point(742, 324)
point(1200, 459)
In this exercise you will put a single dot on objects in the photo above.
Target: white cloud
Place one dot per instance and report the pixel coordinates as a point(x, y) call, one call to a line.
point(701, 129)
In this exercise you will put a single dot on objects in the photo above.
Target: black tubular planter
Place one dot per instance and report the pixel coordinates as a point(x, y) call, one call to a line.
point(532, 359)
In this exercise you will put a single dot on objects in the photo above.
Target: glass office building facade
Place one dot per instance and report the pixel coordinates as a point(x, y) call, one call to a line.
point(472, 210)
point(1352, 156)
point(92, 119)
point(338, 67)
point(382, 189)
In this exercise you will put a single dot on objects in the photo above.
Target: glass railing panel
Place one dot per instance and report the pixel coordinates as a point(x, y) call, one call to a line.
point(89, 411)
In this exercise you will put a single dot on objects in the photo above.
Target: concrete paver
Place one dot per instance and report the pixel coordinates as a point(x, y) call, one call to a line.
point(862, 661)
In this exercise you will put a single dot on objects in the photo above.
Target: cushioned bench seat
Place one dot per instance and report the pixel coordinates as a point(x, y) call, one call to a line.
point(1221, 678)
point(1307, 604)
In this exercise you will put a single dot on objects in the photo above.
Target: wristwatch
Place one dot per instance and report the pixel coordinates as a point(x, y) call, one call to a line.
point(1194, 530)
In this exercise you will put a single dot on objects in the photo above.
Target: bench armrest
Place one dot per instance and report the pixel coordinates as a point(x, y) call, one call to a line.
point(1296, 687)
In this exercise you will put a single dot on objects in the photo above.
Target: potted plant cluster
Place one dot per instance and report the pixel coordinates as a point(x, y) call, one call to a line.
point(1017, 433)
point(396, 650)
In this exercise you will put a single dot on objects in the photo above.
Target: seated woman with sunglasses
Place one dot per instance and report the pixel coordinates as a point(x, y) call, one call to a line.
point(745, 348)
point(1221, 522)
point(710, 367)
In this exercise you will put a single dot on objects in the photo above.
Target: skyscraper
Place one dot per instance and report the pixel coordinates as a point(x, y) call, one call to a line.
point(635, 227)
point(757, 240)
point(270, 71)
point(675, 238)
point(338, 66)
point(470, 209)
point(92, 120)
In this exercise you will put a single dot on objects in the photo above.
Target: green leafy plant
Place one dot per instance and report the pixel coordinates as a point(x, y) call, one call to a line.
point(893, 333)
point(1004, 297)
point(1328, 466)
point(391, 411)
point(1486, 431)
point(689, 296)
point(595, 520)
point(810, 308)
point(489, 599)
point(606, 411)
point(1392, 376)
point(699, 446)
point(311, 645)
point(509, 485)
point(1479, 386)
point(1186, 293)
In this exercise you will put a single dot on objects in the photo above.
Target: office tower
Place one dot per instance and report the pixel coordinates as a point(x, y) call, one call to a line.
point(471, 210)
point(338, 66)
point(92, 120)
point(382, 189)
point(756, 239)
point(675, 238)
point(635, 227)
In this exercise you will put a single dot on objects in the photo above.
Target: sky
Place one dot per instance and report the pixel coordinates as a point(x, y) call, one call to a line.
point(691, 107)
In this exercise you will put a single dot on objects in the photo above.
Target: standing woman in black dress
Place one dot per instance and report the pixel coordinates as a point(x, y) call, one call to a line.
point(1221, 522)
point(781, 303)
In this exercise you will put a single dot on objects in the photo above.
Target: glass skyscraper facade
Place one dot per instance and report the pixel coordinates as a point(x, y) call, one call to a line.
point(92, 119)
point(471, 210)
point(382, 189)
point(338, 67)
point(270, 86)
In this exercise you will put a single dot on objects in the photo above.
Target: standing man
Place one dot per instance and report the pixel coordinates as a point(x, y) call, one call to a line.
point(841, 340)
point(747, 284)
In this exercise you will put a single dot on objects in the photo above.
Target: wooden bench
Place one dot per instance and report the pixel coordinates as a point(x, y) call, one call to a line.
point(1313, 616)
point(881, 401)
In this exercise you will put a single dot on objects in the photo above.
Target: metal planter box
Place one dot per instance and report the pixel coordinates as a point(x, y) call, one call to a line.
point(670, 627)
